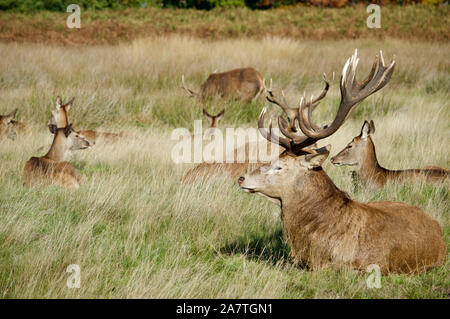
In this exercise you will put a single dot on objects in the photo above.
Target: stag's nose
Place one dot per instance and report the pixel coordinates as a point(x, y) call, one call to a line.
point(241, 180)
point(332, 160)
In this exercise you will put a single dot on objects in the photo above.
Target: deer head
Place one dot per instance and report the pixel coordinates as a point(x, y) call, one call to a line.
point(7, 125)
point(213, 119)
point(65, 141)
point(354, 153)
point(294, 172)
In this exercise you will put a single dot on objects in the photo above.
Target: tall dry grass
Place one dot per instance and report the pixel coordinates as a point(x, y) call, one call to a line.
point(136, 231)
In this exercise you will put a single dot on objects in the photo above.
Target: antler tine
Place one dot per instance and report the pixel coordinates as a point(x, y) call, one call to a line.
point(271, 136)
point(183, 85)
point(352, 93)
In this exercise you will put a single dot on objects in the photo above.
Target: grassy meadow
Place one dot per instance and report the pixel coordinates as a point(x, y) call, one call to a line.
point(136, 231)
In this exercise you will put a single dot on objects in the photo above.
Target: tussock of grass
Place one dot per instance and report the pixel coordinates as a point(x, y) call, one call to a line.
point(136, 231)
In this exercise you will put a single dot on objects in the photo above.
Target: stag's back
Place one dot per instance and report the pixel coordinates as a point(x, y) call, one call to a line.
point(244, 83)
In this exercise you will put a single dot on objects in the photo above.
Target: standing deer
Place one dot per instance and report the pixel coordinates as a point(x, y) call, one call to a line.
point(10, 128)
point(360, 152)
point(245, 84)
point(323, 225)
point(54, 168)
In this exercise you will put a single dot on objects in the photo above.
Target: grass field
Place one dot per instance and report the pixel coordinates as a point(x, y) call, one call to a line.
point(136, 231)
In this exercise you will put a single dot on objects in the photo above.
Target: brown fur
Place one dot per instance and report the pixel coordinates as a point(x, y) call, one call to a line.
point(326, 228)
point(244, 84)
point(233, 170)
point(10, 128)
point(361, 153)
point(44, 171)
point(53, 167)
point(94, 136)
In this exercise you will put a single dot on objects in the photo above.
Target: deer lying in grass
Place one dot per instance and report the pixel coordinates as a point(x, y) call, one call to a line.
point(54, 168)
point(360, 152)
point(323, 225)
point(10, 128)
point(245, 84)
point(60, 119)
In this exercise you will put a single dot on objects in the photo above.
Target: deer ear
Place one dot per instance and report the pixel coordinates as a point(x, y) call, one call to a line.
point(208, 116)
point(365, 130)
point(316, 159)
point(68, 130)
point(52, 128)
point(372, 127)
point(220, 115)
point(58, 102)
point(12, 115)
point(69, 104)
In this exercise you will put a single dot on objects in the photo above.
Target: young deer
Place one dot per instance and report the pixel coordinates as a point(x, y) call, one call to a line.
point(10, 128)
point(323, 225)
point(245, 84)
point(54, 168)
point(360, 152)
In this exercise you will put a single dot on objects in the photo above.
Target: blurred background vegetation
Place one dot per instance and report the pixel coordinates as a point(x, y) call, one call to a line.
point(61, 5)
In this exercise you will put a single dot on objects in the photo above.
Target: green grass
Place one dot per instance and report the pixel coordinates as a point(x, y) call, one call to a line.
point(136, 231)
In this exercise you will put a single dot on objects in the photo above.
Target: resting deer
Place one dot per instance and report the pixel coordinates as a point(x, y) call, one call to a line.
point(323, 225)
point(60, 119)
point(360, 152)
point(54, 168)
point(245, 84)
point(10, 128)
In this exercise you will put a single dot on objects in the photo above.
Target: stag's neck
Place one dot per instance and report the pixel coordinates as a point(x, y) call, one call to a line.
point(370, 171)
point(316, 199)
point(58, 151)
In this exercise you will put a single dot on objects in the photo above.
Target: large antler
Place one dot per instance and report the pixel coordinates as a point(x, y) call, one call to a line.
point(293, 113)
point(189, 91)
point(352, 93)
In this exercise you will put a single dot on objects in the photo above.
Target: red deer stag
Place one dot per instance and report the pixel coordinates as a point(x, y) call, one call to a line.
point(323, 225)
point(245, 84)
point(360, 152)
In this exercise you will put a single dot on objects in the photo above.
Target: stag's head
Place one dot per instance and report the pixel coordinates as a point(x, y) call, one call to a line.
point(353, 154)
point(299, 163)
point(7, 125)
point(213, 119)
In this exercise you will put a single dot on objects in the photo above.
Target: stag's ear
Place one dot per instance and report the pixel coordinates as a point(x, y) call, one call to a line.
point(220, 115)
point(207, 115)
point(52, 128)
point(372, 127)
point(69, 104)
point(365, 130)
point(11, 115)
point(317, 158)
point(58, 102)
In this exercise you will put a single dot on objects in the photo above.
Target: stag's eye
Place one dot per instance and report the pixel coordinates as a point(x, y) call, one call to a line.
point(278, 168)
point(349, 146)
